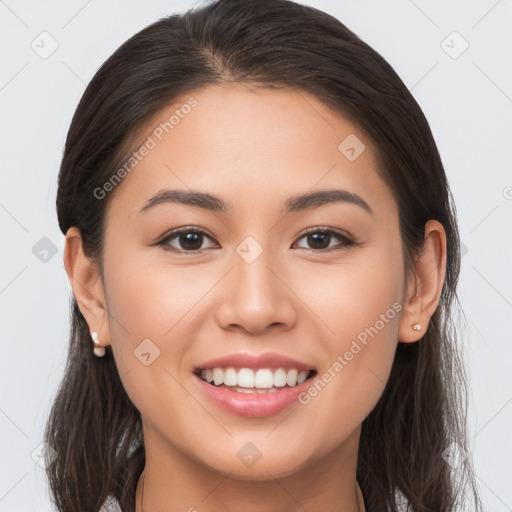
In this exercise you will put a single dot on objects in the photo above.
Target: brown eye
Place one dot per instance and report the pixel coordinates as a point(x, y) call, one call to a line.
point(185, 240)
point(320, 240)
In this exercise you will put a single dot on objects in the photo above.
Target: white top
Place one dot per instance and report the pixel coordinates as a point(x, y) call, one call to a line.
point(110, 505)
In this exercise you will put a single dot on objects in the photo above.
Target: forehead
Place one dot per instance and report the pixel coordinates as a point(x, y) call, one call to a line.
point(248, 144)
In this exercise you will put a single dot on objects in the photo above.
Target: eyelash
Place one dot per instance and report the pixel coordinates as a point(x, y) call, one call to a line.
point(347, 241)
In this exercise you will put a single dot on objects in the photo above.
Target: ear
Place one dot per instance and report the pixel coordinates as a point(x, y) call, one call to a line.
point(87, 285)
point(425, 284)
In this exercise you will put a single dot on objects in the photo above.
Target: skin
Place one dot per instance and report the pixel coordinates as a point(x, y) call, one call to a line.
point(254, 148)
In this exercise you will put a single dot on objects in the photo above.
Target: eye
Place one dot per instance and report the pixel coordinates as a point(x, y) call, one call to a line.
point(321, 238)
point(188, 239)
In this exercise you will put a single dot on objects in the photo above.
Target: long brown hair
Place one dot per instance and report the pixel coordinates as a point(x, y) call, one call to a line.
point(93, 426)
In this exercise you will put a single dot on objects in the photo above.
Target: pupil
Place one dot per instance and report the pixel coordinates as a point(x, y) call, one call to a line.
point(187, 241)
point(316, 237)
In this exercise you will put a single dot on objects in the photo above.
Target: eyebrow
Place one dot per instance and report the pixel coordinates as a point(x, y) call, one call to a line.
point(296, 203)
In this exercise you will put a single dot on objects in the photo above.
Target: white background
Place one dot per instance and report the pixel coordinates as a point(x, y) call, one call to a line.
point(467, 100)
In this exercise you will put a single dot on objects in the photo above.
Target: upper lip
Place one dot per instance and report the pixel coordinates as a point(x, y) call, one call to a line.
point(245, 360)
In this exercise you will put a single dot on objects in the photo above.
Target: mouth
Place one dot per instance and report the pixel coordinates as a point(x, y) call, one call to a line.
point(255, 380)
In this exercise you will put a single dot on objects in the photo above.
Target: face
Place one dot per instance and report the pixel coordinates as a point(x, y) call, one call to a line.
point(317, 281)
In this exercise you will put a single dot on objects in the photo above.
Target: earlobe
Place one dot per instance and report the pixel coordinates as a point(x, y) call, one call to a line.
point(86, 282)
point(425, 284)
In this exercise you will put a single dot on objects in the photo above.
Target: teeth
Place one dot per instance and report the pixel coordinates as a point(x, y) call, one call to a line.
point(302, 377)
point(230, 377)
point(218, 376)
point(264, 379)
point(245, 378)
point(280, 378)
point(291, 377)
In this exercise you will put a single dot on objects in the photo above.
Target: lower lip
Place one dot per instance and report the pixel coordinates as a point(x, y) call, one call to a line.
point(254, 405)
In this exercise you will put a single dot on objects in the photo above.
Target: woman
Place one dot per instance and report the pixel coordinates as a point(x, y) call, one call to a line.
point(264, 254)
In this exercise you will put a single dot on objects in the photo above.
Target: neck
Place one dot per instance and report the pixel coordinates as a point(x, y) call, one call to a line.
point(327, 484)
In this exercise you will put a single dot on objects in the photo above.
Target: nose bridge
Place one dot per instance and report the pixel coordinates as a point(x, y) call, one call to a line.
point(254, 283)
point(252, 271)
point(255, 297)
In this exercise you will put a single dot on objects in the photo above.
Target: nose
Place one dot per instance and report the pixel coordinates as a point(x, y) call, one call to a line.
point(255, 297)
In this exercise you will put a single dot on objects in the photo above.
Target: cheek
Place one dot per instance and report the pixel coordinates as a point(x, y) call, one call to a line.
point(149, 308)
point(360, 293)
point(144, 306)
point(369, 307)
point(359, 307)
point(150, 301)
point(153, 311)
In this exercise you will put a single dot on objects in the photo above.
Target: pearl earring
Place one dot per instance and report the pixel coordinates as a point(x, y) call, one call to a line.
point(416, 327)
point(98, 350)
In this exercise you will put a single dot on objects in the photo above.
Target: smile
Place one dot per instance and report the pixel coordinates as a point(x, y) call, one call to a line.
point(249, 380)
point(251, 401)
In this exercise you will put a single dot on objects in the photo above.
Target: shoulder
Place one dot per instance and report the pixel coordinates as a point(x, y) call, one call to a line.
point(110, 505)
